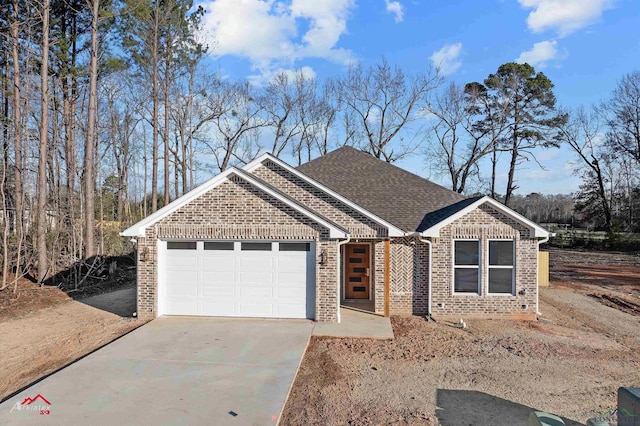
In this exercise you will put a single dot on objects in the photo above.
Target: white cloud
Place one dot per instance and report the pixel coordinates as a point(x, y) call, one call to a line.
point(540, 54)
point(395, 8)
point(260, 79)
point(267, 32)
point(563, 16)
point(446, 59)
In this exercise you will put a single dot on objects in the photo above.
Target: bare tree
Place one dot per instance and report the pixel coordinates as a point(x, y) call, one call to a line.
point(280, 102)
point(237, 120)
point(17, 127)
point(581, 133)
point(385, 100)
point(41, 245)
point(462, 136)
point(89, 144)
point(622, 112)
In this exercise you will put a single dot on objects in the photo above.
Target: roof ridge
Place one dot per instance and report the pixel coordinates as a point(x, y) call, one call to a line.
point(383, 163)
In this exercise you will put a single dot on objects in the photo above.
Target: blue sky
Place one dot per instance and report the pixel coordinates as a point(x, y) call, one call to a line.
point(583, 46)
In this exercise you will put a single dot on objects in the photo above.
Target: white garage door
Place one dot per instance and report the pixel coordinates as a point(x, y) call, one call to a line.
point(240, 279)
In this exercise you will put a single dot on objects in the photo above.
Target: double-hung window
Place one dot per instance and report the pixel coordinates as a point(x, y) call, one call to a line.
point(500, 267)
point(466, 266)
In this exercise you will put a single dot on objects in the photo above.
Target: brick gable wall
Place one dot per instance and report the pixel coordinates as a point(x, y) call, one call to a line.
point(485, 223)
point(236, 210)
point(358, 225)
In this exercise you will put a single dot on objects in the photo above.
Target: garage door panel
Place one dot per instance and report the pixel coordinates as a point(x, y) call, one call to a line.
point(218, 292)
point(218, 263)
point(296, 293)
point(182, 306)
point(292, 263)
point(223, 307)
point(253, 262)
point(181, 261)
point(184, 277)
point(294, 310)
point(256, 309)
point(254, 278)
point(218, 278)
point(247, 293)
point(240, 283)
point(292, 278)
point(190, 290)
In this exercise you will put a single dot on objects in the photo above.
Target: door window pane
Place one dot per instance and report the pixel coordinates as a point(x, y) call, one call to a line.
point(181, 245)
point(218, 245)
point(294, 246)
point(256, 246)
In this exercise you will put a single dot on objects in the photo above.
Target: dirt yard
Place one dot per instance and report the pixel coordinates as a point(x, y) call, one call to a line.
point(493, 373)
point(42, 329)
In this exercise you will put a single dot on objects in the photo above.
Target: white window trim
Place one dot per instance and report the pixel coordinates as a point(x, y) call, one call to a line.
point(454, 266)
point(512, 267)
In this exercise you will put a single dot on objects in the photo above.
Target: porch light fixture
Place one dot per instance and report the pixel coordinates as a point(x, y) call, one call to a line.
point(144, 255)
point(323, 257)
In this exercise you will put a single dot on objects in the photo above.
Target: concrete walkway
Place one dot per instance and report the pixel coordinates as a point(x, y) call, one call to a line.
point(175, 370)
point(356, 324)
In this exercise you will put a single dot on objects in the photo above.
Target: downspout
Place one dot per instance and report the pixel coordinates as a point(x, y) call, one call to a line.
point(338, 270)
point(542, 241)
point(428, 242)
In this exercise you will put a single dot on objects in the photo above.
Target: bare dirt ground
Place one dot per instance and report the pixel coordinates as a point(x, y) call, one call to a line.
point(42, 330)
point(493, 373)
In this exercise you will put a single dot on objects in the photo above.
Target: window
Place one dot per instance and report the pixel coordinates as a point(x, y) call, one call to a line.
point(256, 246)
point(294, 246)
point(466, 266)
point(501, 266)
point(218, 245)
point(181, 245)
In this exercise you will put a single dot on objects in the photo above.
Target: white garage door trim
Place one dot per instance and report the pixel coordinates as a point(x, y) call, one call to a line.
point(238, 282)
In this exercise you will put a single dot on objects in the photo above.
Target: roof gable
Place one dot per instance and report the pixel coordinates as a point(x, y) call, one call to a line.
point(138, 229)
point(393, 230)
point(389, 192)
point(451, 213)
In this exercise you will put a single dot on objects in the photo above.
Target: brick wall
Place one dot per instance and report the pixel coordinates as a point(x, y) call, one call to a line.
point(409, 290)
point(358, 225)
point(236, 210)
point(485, 223)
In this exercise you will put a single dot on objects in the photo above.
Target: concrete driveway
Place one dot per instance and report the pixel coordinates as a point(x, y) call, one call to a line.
point(175, 370)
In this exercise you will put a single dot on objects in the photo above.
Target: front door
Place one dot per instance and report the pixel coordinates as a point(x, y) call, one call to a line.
point(357, 277)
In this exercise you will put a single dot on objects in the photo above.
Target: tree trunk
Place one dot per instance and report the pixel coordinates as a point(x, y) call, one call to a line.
point(512, 168)
point(41, 244)
point(89, 145)
point(154, 53)
point(17, 124)
point(167, 75)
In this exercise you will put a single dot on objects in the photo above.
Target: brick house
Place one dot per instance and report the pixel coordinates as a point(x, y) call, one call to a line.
point(271, 240)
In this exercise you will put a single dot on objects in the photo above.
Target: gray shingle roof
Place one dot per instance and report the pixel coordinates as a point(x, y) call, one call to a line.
point(400, 197)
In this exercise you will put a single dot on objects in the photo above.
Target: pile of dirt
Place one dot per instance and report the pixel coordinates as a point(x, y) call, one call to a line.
point(25, 297)
point(96, 275)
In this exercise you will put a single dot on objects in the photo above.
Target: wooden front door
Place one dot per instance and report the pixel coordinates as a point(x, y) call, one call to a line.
point(357, 278)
